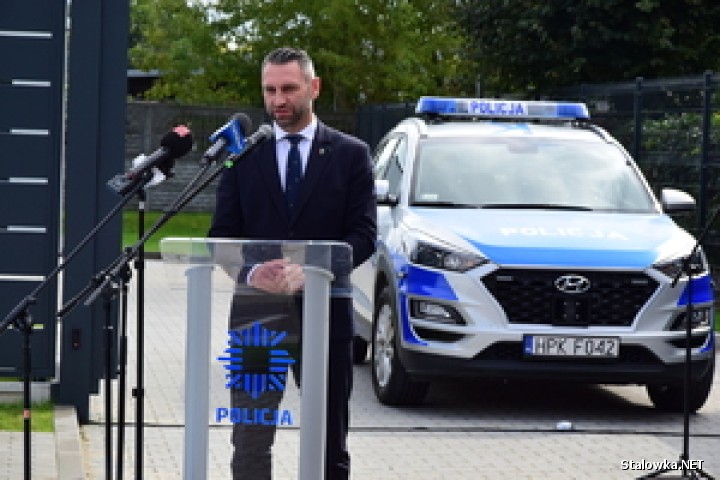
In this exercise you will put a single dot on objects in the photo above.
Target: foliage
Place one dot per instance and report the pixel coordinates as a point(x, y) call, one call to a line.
point(174, 38)
point(364, 50)
point(184, 224)
point(532, 45)
point(672, 148)
point(680, 132)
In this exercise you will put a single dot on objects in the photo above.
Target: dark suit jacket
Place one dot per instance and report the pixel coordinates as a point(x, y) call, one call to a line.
point(337, 203)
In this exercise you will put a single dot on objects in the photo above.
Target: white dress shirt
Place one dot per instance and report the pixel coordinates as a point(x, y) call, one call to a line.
point(282, 147)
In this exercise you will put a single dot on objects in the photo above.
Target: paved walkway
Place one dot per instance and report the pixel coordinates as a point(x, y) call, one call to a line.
point(465, 431)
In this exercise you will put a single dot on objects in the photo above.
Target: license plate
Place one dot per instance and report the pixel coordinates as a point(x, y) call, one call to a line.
point(571, 346)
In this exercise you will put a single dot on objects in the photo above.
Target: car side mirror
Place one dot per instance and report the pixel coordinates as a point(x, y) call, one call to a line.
point(676, 201)
point(383, 195)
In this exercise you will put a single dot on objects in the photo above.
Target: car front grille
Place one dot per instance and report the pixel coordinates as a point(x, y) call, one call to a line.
point(531, 297)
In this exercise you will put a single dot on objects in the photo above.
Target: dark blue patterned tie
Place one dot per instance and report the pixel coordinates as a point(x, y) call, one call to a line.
point(293, 174)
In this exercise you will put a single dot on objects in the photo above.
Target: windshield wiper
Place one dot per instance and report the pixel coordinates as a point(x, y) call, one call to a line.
point(444, 204)
point(537, 206)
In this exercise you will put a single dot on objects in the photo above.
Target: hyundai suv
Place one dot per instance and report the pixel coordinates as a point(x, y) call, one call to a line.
point(517, 239)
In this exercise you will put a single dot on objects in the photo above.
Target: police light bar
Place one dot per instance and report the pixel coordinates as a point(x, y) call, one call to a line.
point(491, 108)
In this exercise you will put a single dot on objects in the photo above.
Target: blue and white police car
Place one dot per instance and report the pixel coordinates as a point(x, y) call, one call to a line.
point(519, 240)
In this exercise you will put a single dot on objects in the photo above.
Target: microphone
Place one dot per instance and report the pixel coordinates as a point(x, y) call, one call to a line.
point(157, 175)
point(263, 133)
point(174, 144)
point(230, 136)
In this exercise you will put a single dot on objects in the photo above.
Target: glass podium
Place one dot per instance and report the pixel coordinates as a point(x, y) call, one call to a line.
point(251, 352)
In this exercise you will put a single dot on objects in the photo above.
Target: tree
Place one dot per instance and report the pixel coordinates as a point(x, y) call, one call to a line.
point(176, 39)
point(533, 45)
point(364, 50)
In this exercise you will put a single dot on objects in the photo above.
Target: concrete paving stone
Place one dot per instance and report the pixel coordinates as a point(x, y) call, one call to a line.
point(466, 430)
point(12, 455)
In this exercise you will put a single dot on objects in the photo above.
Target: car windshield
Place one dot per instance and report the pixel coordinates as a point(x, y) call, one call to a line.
point(527, 173)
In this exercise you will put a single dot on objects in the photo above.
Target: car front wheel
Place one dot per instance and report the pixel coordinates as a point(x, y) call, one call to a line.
point(392, 384)
point(671, 397)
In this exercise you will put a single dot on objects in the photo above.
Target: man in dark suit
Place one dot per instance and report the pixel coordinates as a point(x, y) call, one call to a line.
point(311, 183)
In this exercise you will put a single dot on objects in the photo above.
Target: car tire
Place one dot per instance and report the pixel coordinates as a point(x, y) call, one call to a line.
point(359, 350)
point(391, 382)
point(671, 397)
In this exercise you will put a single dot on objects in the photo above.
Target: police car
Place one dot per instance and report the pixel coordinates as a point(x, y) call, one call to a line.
point(516, 239)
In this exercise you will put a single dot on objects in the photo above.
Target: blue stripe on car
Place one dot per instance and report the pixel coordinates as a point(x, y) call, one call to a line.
point(710, 345)
point(564, 257)
point(700, 289)
point(420, 281)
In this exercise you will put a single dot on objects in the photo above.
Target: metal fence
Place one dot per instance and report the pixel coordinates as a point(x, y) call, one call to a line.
point(147, 122)
point(670, 126)
point(374, 121)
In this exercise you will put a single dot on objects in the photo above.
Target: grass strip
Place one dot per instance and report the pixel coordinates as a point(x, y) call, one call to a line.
point(184, 224)
point(42, 418)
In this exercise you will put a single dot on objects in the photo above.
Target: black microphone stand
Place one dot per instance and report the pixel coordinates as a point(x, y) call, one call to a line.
point(688, 269)
point(119, 284)
point(122, 368)
point(21, 319)
point(139, 390)
point(105, 282)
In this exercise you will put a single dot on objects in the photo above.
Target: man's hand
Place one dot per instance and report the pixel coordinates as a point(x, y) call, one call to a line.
point(278, 276)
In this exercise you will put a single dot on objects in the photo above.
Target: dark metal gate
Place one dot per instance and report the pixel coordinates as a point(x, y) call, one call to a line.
point(52, 185)
point(31, 83)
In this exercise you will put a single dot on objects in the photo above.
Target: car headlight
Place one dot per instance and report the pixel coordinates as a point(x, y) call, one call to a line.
point(437, 257)
point(673, 268)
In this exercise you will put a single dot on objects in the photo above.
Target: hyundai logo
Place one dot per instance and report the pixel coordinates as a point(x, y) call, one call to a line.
point(572, 284)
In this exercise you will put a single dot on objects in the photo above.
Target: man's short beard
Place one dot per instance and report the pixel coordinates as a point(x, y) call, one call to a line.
point(294, 120)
